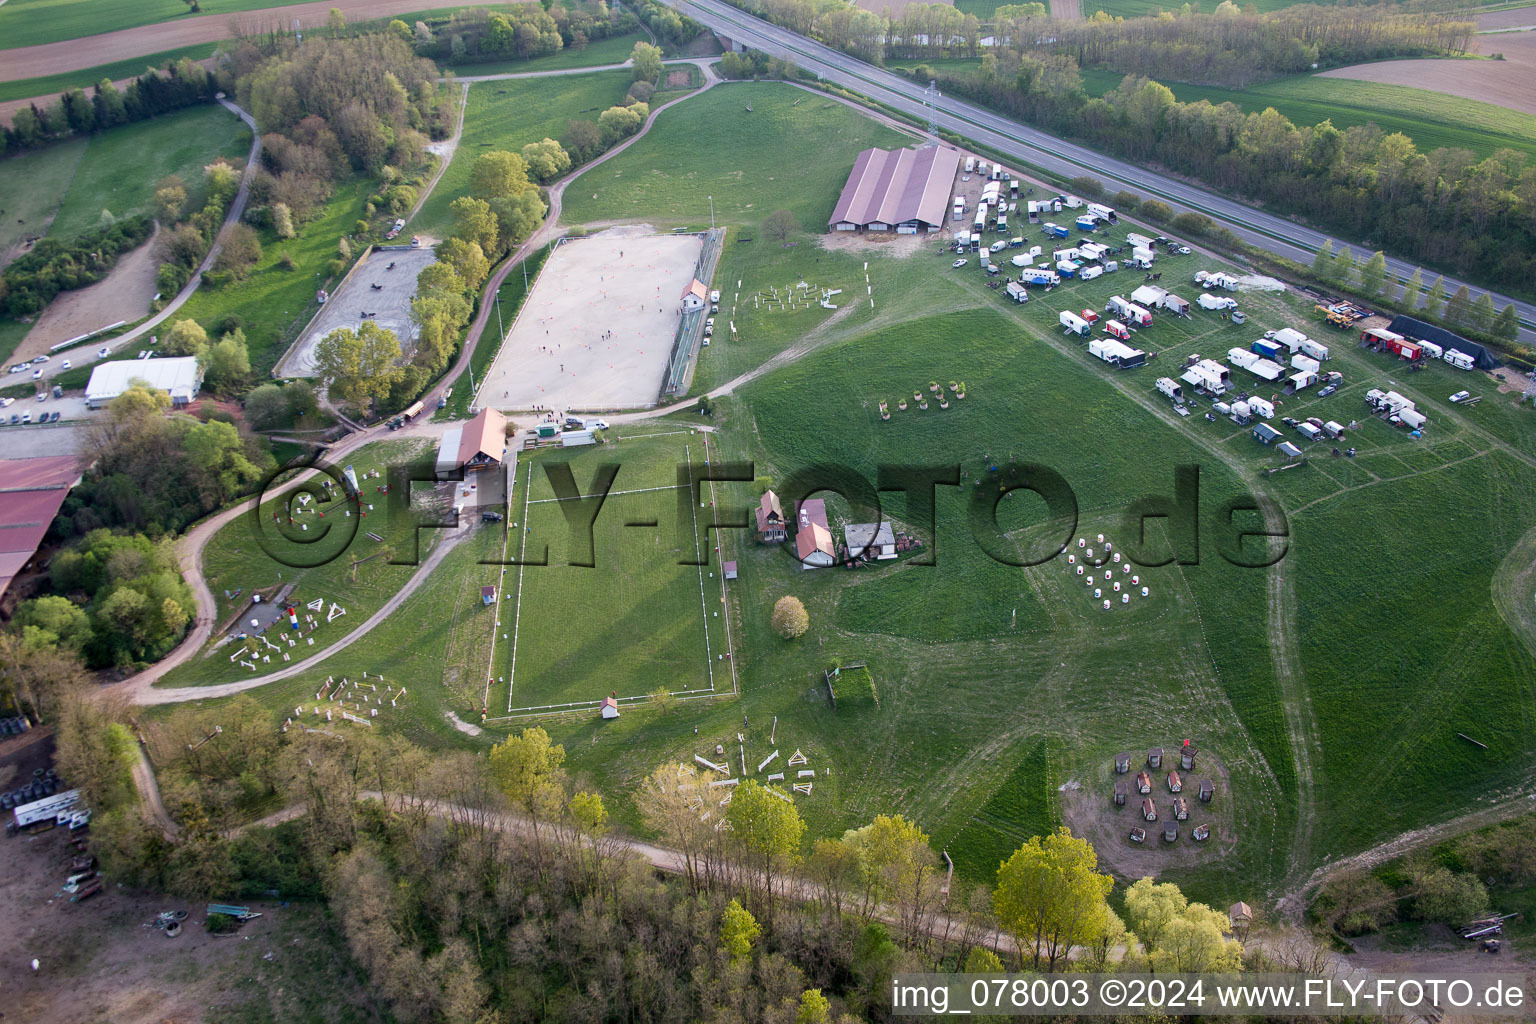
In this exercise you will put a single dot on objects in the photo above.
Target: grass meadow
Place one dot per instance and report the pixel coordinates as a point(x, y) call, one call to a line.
point(31, 22)
point(181, 143)
point(714, 147)
point(358, 575)
point(509, 115)
point(632, 619)
point(1431, 119)
point(272, 304)
point(999, 683)
point(34, 185)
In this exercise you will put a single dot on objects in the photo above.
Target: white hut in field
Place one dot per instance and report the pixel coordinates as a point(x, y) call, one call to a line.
point(610, 708)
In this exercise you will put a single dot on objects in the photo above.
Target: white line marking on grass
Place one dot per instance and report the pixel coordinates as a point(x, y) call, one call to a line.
point(612, 494)
point(730, 653)
point(517, 611)
point(693, 502)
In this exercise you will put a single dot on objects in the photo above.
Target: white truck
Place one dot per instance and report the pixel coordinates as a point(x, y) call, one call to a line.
point(1299, 380)
point(1136, 241)
point(1262, 408)
point(970, 164)
point(1216, 302)
point(1316, 349)
point(1119, 305)
point(1017, 292)
point(1103, 212)
point(1264, 369)
point(1116, 352)
point(1074, 324)
point(1034, 275)
point(1287, 336)
point(1459, 359)
point(1142, 258)
point(1304, 362)
point(1171, 388)
point(46, 809)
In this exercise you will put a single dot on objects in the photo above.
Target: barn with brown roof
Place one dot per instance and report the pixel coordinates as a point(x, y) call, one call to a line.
point(906, 191)
point(31, 491)
point(483, 442)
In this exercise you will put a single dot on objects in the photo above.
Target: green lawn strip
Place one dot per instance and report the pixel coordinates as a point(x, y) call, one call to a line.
point(631, 623)
point(273, 304)
point(181, 143)
point(34, 185)
point(237, 560)
point(509, 115)
point(1431, 119)
point(711, 146)
point(32, 22)
point(1023, 805)
point(85, 78)
point(613, 50)
point(1391, 691)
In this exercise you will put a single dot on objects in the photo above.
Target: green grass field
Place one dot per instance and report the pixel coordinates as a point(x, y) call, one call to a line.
point(509, 115)
point(34, 185)
point(31, 22)
point(1431, 119)
point(358, 575)
point(714, 147)
point(633, 621)
point(85, 78)
point(182, 143)
point(1000, 684)
point(273, 304)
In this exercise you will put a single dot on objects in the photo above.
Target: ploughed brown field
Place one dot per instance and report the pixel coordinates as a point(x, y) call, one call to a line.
point(1510, 82)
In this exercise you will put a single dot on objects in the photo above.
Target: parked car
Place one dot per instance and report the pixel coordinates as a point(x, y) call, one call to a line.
point(1289, 421)
point(103, 353)
point(37, 374)
point(959, 263)
point(42, 359)
point(1461, 396)
point(55, 417)
point(599, 424)
point(64, 365)
point(42, 396)
point(1183, 250)
point(490, 517)
point(1325, 392)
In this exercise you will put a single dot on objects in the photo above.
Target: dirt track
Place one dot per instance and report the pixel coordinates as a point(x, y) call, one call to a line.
point(74, 54)
point(124, 294)
point(1510, 82)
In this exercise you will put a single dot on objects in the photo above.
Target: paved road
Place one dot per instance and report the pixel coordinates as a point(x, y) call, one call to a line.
point(1267, 231)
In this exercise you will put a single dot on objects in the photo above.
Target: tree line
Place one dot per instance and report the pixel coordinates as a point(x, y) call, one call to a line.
point(367, 366)
point(1233, 48)
point(1445, 208)
point(526, 30)
point(493, 887)
point(177, 85)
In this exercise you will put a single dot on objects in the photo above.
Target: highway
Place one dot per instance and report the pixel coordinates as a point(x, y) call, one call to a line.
point(1263, 230)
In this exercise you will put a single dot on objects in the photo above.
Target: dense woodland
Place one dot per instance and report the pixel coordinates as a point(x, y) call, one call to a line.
point(489, 888)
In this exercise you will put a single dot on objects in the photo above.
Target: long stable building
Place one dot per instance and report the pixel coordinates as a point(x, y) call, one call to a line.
point(906, 191)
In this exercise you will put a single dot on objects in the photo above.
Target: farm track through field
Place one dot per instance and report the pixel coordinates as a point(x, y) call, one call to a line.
point(1514, 590)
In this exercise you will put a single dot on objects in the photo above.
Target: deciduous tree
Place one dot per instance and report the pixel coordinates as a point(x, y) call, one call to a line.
point(790, 618)
point(1051, 897)
point(359, 366)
